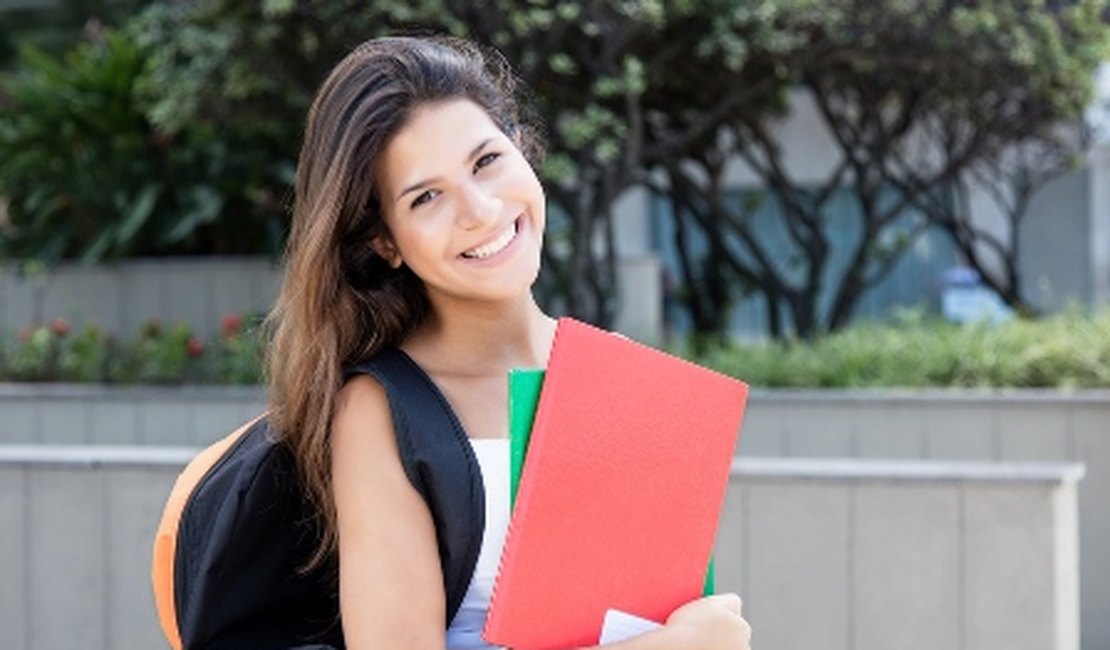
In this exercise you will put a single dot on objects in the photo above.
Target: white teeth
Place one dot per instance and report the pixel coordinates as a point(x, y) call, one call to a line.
point(493, 247)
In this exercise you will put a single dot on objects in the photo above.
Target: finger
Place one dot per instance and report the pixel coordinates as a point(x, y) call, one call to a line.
point(729, 601)
point(746, 632)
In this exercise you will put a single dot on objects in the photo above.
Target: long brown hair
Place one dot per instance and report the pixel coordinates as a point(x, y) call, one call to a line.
point(340, 302)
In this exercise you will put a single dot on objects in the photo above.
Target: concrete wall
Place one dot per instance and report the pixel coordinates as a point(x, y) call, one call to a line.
point(199, 292)
point(1056, 243)
point(123, 297)
point(76, 531)
point(1098, 160)
point(156, 415)
point(828, 554)
point(866, 554)
point(938, 425)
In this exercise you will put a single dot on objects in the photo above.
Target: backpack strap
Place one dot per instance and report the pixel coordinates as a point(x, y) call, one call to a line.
point(440, 463)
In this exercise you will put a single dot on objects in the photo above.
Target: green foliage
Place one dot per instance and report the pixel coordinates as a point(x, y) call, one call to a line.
point(252, 67)
point(157, 355)
point(48, 352)
point(237, 356)
point(1070, 351)
point(178, 134)
point(36, 356)
point(1050, 47)
point(1067, 351)
point(915, 94)
point(68, 128)
point(54, 26)
point(84, 356)
point(84, 173)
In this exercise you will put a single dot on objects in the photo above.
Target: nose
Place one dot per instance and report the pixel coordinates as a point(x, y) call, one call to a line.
point(477, 206)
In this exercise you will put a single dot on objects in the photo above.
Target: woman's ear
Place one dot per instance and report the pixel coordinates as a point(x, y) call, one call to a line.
point(387, 250)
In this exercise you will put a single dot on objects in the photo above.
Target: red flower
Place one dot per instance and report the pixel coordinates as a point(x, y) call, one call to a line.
point(60, 327)
point(231, 325)
point(194, 347)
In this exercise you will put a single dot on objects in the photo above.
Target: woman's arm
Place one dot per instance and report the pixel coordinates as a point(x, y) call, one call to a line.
point(711, 623)
point(390, 580)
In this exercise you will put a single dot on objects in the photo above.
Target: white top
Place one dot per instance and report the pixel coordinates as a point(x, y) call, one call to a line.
point(465, 631)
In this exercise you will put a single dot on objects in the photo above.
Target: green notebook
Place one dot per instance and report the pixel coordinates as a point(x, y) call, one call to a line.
point(524, 396)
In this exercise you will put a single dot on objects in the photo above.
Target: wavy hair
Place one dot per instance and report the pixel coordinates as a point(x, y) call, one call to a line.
point(340, 302)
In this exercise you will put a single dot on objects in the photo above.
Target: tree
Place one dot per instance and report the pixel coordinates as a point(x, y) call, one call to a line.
point(603, 74)
point(736, 68)
point(581, 60)
point(251, 68)
point(916, 94)
point(85, 173)
point(55, 27)
point(1028, 122)
point(1010, 179)
point(251, 64)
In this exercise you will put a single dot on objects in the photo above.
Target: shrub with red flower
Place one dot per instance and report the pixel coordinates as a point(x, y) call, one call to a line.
point(60, 327)
point(231, 325)
point(194, 348)
point(160, 353)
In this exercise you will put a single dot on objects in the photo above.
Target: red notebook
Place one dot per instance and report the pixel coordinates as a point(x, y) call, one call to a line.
point(621, 490)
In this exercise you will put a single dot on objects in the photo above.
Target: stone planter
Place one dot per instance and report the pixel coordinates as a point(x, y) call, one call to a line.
point(199, 291)
point(125, 415)
point(996, 426)
point(121, 298)
point(860, 555)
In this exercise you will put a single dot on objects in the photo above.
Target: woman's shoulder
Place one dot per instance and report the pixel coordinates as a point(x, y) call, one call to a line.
point(361, 411)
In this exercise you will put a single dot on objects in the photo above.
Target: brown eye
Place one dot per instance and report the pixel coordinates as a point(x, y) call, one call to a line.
point(486, 160)
point(425, 196)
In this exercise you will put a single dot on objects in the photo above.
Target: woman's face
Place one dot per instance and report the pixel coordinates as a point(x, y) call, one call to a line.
point(464, 208)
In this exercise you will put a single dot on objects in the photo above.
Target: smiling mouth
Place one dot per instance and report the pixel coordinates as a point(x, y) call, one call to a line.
point(494, 247)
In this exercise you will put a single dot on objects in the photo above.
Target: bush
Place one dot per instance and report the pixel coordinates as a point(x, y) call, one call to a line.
point(1066, 351)
point(85, 174)
point(158, 355)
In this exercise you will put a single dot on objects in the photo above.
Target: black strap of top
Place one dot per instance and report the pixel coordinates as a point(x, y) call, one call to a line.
point(440, 463)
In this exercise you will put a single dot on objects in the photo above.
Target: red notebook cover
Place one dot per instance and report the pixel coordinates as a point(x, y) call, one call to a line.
point(621, 490)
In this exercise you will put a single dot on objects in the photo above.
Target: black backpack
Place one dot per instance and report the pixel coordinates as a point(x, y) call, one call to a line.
point(237, 531)
point(229, 555)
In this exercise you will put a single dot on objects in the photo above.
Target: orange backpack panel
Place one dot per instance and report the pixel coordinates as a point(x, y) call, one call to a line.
point(165, 541)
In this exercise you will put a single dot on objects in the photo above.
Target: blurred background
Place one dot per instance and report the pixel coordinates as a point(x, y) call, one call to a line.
point(906, 196)
point(764, 169)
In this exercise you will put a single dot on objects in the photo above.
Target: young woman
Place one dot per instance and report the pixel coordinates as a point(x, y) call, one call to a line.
point(416, 239)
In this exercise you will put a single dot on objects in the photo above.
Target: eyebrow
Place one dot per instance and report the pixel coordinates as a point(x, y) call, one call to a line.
point(425, 183)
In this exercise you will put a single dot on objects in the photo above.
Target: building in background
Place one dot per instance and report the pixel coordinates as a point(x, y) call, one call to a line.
point(1064, 257)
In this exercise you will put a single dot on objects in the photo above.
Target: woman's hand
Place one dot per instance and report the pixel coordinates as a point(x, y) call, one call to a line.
point(710, 623)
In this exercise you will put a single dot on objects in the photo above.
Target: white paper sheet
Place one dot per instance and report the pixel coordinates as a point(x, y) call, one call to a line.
point(619, 626)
